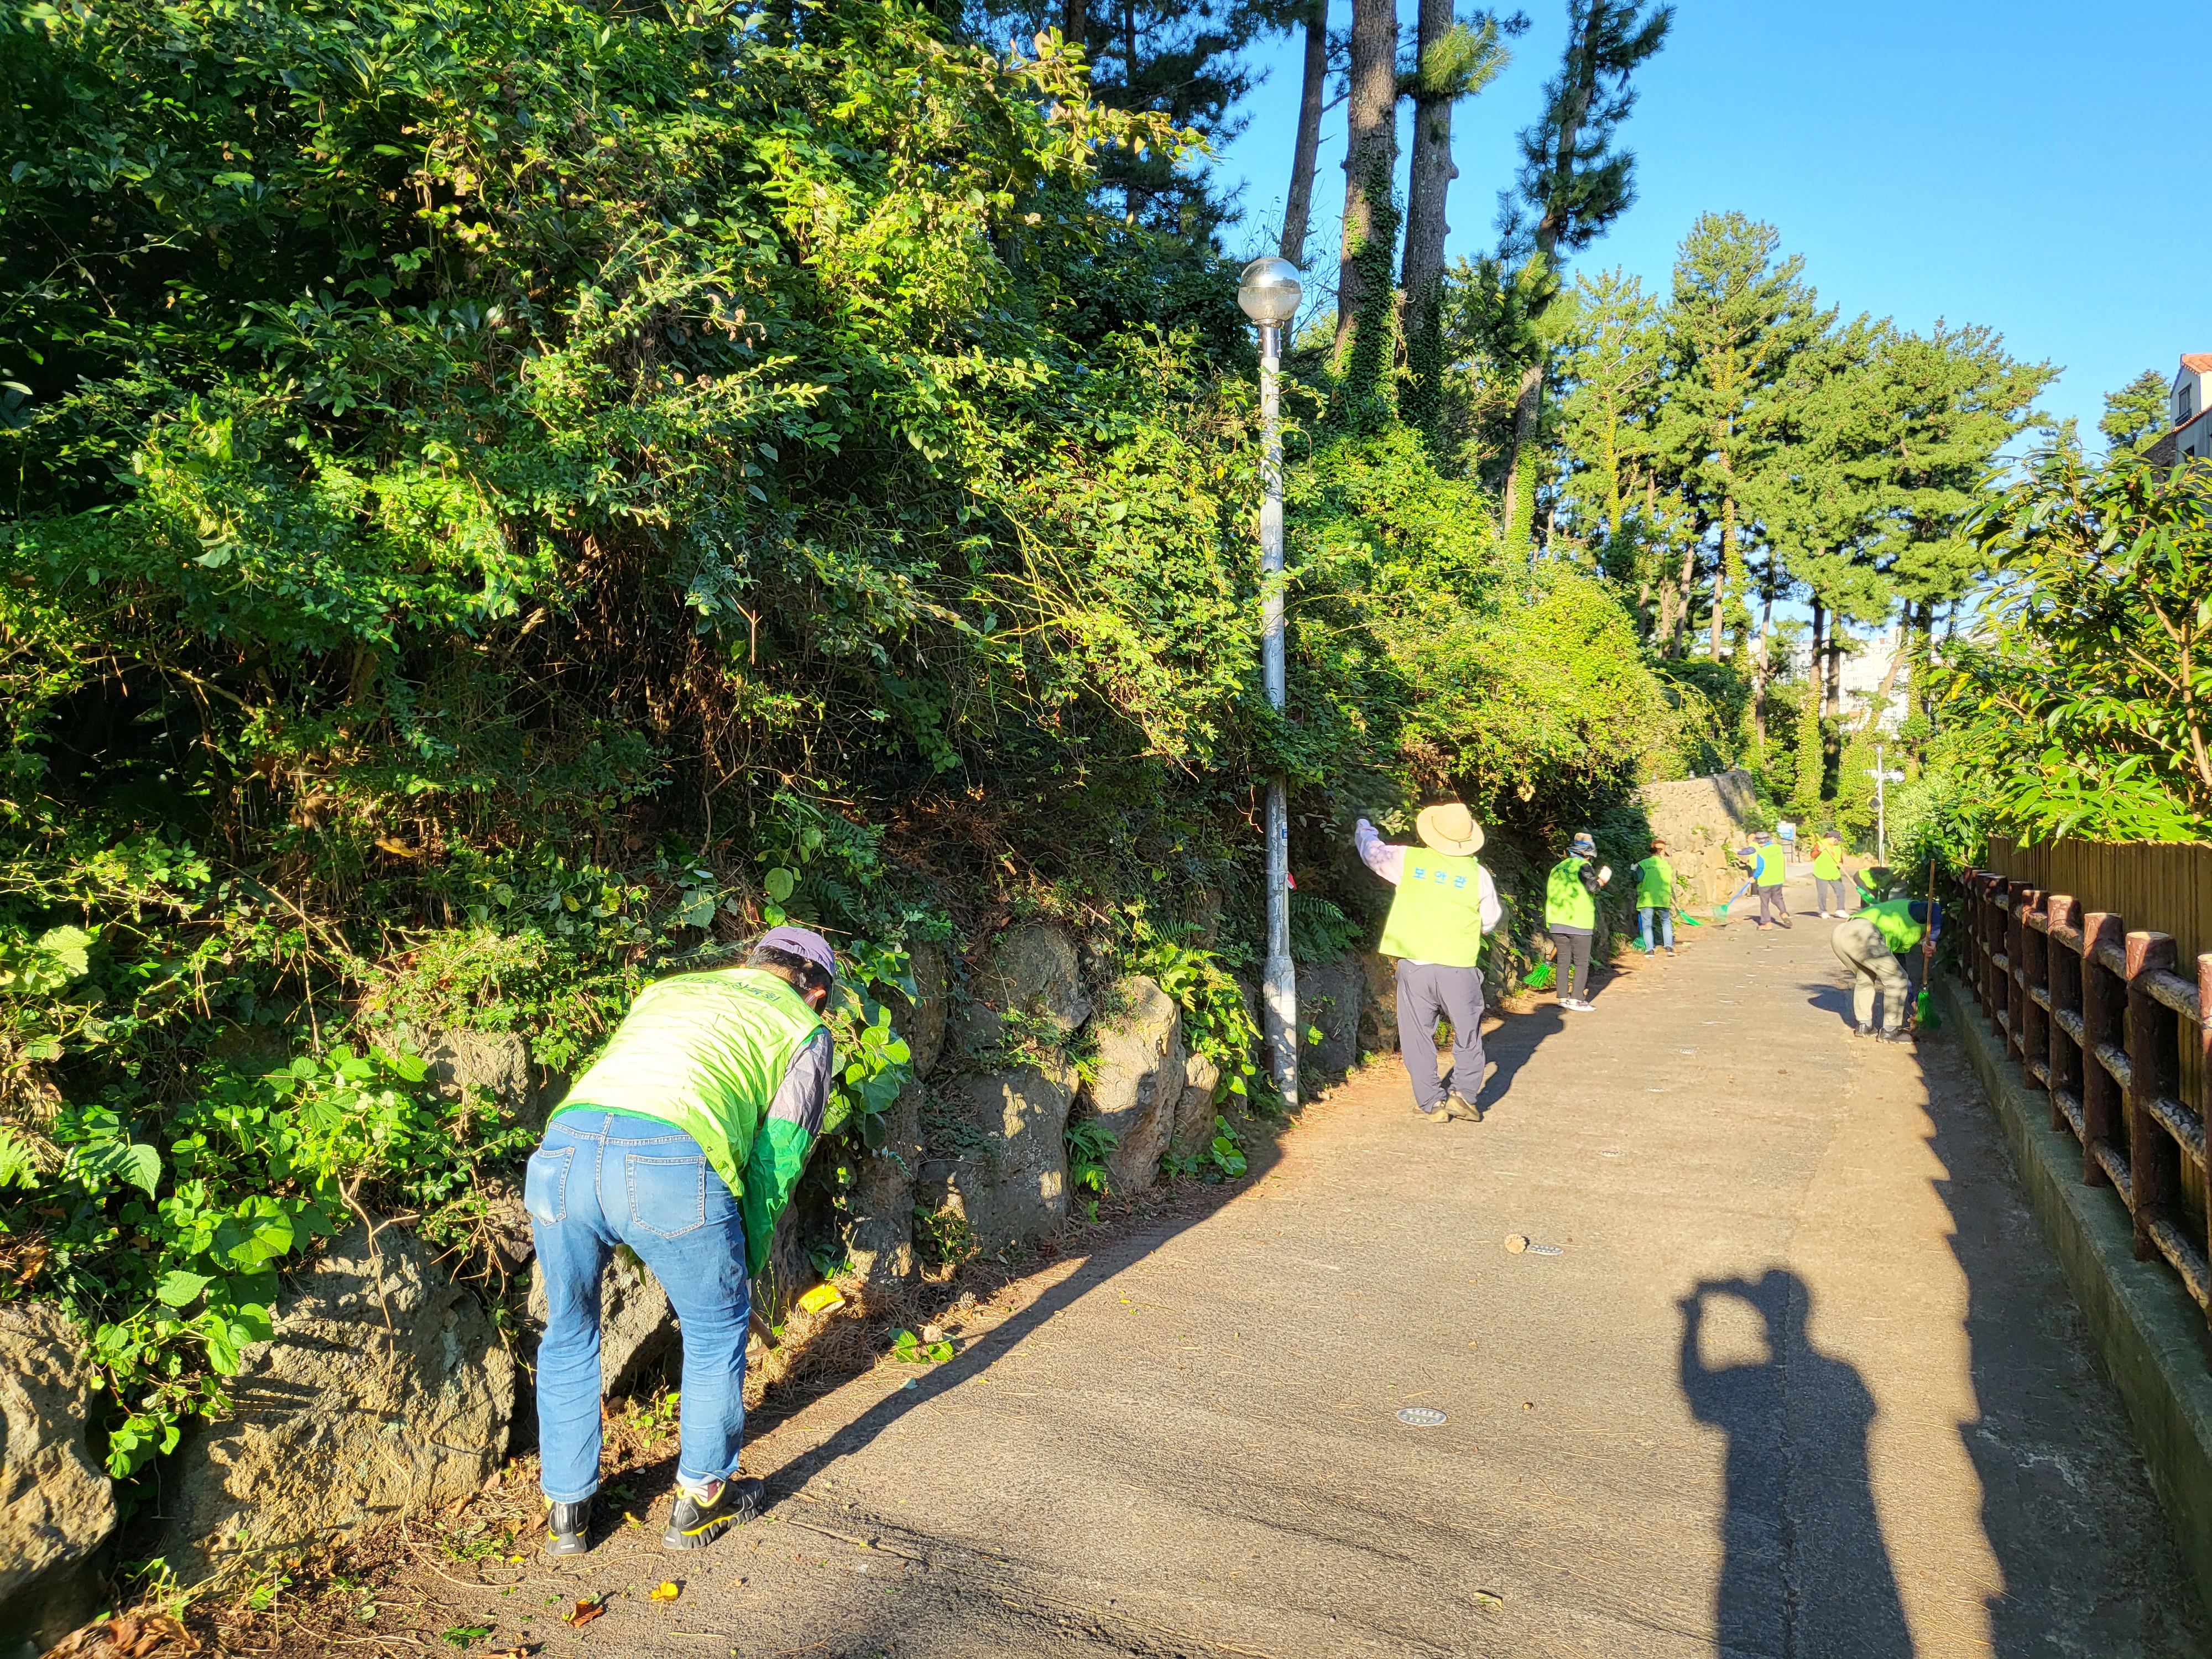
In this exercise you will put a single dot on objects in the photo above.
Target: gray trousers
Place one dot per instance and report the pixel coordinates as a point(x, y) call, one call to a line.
point(1861, 948)
point(1425, 992)
point(1843, 900)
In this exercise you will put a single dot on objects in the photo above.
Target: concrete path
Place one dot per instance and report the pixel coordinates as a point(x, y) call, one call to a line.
point(1801, 1380)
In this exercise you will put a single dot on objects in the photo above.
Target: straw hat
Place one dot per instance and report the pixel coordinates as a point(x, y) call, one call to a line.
point(1450, 829)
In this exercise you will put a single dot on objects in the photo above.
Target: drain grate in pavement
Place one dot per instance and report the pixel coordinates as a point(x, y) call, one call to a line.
point(1421, 1417)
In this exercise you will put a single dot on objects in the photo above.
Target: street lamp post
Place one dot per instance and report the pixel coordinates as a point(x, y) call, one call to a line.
point(1268, 293)
point(1881, 777)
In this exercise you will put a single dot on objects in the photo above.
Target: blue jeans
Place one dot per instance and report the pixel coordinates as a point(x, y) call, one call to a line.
point(1643, 914)
point(600, 1179)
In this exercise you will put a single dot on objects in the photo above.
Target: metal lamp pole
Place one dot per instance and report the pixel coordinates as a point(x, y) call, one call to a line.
point(1268, 293)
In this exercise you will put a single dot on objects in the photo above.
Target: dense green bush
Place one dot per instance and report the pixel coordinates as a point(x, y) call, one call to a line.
point(510, 498)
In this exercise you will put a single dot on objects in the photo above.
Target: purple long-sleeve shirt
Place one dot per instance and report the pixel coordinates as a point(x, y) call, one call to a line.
point(1388, 861)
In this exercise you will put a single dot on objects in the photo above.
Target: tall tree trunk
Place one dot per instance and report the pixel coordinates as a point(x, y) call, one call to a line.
point(1728, 575)
point(1075, 21)
point(1819, 636)
point(1370, 156)
point(1762, 667)
point(1835, 668)
point(1678, 640)
point(1298, 206)
point(1582, 69)
point(1430, 183)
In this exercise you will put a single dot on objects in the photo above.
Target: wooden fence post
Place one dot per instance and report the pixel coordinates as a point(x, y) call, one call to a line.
point(2153, 1160)
point(2063, 966)
point(2204, 1067)
point(2035, 977)
point(2015, 987)
point(2103, 1008)
point(1990, 934)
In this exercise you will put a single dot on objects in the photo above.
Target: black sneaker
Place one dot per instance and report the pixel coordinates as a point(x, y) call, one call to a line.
point(568, 1528)
point(693, 1524)
point(1901, 1035)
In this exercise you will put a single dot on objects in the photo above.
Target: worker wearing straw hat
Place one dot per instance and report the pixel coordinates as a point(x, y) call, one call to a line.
point(1444, 904)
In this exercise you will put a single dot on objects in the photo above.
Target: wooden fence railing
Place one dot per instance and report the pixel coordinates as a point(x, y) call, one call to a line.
point(2098, 1016)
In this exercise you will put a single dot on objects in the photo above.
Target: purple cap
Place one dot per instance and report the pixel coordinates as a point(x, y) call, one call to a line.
point(804, 943)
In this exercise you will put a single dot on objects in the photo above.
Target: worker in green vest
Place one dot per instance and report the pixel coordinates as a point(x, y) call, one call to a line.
point(1769, 868)
point(682, 1141)
point(1655, 895)
point(1571, 912)
point(1828, 876)
point(1444, 904)
point(1871, 945)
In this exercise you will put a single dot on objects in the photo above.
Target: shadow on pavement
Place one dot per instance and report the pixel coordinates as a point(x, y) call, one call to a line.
point(1834, 999)
point(1513, 1042)
point(1799, 1554)
point(2066, 1506)
point(1112, 1256)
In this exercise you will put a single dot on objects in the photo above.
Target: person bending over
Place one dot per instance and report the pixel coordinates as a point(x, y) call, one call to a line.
point(683, 1141)
point(1870, 943)
point(1444, 904)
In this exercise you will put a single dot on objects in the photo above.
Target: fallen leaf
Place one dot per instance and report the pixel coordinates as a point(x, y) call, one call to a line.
point(666, 1590)
point(821, 1299)
point(1485, 1599)
point(586, 1611)
point(461, 1635)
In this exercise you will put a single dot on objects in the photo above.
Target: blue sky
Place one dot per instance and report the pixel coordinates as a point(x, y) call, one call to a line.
point(2024, 166)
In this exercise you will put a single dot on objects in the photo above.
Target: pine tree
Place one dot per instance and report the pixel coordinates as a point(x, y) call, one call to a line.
point(1951, 401)
point(1313, 90)
point(1735, 325)
point(1452, 62)
point(1186, 59)
point(1615, 369)
point(1574, 184)
point(2136, 413)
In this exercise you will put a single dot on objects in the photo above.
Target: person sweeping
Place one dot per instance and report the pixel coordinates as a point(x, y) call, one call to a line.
point(1444, 904)
point(1571, 912)
point(682, 1141)
point(1768, 872)
point(1870, 943)
point(1654, 893)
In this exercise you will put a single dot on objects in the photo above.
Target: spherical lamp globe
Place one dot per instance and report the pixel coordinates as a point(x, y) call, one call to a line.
point(1268, 291)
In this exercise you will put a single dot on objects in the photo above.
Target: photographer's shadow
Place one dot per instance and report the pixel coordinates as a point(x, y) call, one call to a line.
point(1805, 1571)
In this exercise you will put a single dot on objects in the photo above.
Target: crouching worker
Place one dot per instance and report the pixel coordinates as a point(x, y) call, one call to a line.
point(682, 1140)
point(1446, 903)
point(1869, 944)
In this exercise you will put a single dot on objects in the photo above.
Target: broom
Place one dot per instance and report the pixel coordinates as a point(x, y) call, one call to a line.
point(1923, 1004)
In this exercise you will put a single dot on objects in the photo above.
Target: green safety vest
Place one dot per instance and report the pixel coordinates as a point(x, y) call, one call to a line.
point(1772, 865)
point(1655, 883)
point(1437, 915)
point(1825, 866)
point(706, 1053)
point(1567, 902)
point(1893, 919)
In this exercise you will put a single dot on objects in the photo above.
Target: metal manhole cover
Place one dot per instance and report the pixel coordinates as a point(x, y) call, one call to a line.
point(1421, 1417)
